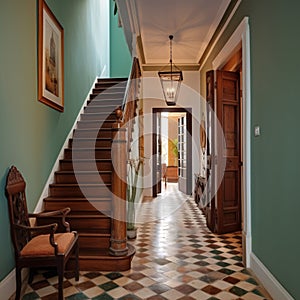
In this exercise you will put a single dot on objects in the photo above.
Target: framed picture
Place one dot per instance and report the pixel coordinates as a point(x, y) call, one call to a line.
point(50, 59)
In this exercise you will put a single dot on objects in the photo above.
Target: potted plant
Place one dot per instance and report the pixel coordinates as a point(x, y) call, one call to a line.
point(134, 168)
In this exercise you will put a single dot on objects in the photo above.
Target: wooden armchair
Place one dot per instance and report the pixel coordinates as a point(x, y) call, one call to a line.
point(37, 246)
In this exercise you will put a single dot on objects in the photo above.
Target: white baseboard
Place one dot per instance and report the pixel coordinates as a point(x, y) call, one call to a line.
point(247, 246)
point(8, 284)
point(45, 193)
point(270, 283)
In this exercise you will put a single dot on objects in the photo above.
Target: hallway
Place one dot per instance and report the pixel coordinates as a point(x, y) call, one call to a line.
point(176, 258)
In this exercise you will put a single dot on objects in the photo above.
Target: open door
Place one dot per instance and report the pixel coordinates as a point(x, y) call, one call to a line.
point(182, 154)
point(186, 149)
point(185, 153)
point(157, 149)
point(223, 212)
point(228, 204)
point(210, 174)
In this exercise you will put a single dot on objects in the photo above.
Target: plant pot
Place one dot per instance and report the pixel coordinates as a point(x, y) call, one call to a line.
point(131, 233)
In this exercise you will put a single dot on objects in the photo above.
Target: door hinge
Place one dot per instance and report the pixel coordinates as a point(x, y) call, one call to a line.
point(215, 85)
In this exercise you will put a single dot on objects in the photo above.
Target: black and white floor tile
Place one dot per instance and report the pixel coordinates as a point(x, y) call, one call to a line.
point(177, 257)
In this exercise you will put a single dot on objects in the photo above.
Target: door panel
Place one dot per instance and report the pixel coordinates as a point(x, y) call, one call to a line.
point(228, 113)
point(210, 174)
point(157, 148)
point(182, 159)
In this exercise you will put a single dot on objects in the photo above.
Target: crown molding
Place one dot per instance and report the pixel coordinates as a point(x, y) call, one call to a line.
point(182, 67)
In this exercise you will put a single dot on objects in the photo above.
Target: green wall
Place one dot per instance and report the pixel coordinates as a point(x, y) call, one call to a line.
point(120, 58)
point(31, 133)
point(275, 106)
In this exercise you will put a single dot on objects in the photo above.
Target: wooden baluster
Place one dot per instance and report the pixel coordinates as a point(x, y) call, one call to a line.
point(118, 242)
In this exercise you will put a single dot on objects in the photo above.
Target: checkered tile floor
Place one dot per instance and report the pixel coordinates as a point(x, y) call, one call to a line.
point(176, 258)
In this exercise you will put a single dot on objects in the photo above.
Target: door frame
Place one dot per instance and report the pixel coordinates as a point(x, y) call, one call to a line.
point(188, 111)
point(242, 36)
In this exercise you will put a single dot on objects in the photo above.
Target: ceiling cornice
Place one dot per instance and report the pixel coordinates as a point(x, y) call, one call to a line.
point(231, 9)
point(182, 67)
point(141, 49)
point(225, 4)
point(133, 17)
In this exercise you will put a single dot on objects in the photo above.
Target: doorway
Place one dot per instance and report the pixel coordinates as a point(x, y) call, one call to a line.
point(172, 149)
point(240, 41)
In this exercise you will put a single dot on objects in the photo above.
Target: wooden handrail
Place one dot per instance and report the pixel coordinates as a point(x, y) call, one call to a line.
point(131, 89)
point(130, 101)
point(121, 146)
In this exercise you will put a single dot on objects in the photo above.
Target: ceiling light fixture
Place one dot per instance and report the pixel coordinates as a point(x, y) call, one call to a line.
point(170, 79)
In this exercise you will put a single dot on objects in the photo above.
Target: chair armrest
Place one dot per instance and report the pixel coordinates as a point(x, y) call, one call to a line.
point(62, 212)
point(43, 229)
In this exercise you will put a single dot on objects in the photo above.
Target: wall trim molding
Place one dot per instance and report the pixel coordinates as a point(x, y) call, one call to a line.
point(271, 284)
point(231, 45)
point(242, 36)
point(213, 27)
point(45, 192)
point(8, 284)
point(220, 33)
point(182, 67)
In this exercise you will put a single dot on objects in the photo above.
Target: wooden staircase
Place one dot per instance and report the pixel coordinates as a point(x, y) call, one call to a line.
point(84, 179)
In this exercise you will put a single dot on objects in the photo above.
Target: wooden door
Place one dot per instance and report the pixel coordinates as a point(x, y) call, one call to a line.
point(228, 204)
point(210, 174)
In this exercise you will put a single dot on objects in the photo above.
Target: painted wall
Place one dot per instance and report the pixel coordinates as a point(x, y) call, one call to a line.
point(120, 57)
point(153, 97)
point(31, 133)
point(275, 106)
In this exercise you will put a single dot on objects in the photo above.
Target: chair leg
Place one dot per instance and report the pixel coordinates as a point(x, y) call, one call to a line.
point(18, 283)
point(60, 273)
point(76, 261)
point(31, 275)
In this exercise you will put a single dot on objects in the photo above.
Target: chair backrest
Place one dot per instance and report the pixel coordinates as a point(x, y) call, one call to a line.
point(17, 208)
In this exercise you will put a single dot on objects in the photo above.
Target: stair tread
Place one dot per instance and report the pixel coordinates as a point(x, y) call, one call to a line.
point(97, 234)
point(92, 139)
point(101, 129)
point(100, 121)
point(99, 113)
point(102, 106)
point(116, 78)
point(115, 97)
point(83, 172)
point(101, 98)
point(86, 159)
point(118, 92)
point(112, 78)
point(51, 198)
point(88, 149)
point(76, 184)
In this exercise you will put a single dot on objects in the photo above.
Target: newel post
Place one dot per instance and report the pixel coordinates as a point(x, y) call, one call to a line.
point(118, 241)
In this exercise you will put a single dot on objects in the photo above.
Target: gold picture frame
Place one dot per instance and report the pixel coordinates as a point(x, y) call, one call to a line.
point(50, 59)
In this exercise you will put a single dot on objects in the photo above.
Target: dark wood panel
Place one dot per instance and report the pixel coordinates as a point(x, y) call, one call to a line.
point(228, 113)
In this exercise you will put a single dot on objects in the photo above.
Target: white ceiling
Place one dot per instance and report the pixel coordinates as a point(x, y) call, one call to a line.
point(192, 22)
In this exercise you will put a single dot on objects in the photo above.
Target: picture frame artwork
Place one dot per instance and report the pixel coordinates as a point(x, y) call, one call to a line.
point(50, 59)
